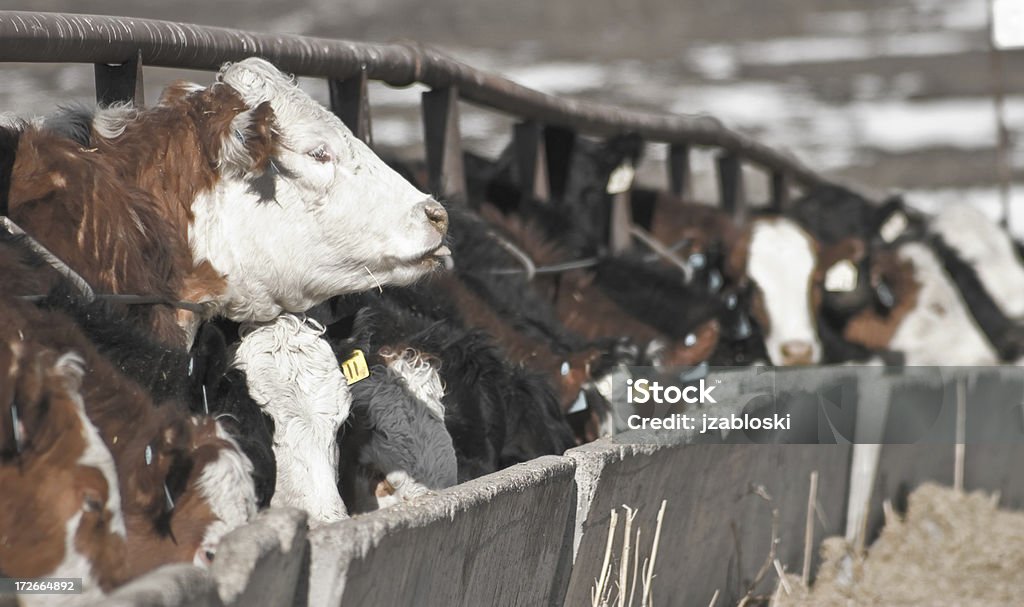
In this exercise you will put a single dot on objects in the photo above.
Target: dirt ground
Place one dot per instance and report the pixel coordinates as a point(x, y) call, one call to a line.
point(949, 549)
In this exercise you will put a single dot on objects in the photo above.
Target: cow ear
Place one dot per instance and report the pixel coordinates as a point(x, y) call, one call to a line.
point(892, 219)
point(850, 248)
point(208, 363)
point(254, 79)
point(249, 145)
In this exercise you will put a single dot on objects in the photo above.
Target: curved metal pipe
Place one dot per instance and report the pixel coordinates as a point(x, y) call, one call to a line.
point(52, 37)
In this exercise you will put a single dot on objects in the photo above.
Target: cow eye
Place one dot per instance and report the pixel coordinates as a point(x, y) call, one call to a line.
point(91, 502)
point(320, 154)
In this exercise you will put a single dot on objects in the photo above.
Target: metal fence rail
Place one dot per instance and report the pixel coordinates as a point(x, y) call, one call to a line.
point(119, 46)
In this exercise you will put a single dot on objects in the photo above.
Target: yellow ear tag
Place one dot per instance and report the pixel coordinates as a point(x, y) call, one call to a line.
point(355, 368)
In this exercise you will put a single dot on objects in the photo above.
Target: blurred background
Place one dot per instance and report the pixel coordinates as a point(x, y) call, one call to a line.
point(883, 94)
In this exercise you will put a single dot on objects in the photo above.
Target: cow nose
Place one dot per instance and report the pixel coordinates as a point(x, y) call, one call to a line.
point(796, 353)
point(436, 215)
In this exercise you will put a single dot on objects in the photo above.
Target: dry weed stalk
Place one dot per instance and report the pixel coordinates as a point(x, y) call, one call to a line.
point(812, 500)
point(760, 491)
point(629, 564)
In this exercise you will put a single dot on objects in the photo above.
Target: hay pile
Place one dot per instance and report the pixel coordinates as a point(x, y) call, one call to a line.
point(952, 549)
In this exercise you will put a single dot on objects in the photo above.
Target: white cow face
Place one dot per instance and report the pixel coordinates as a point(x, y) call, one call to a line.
point(330, 218)
point(988, 249)
point(781, 261)
point(939, 329)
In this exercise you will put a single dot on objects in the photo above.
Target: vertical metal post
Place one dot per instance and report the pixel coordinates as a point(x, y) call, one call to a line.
point(1003, 167)
point(780, 191)
point(679, 176)
point(350, 101)
point(559, 145)
point(443, 140)
point(620, 223)
point(531, 161)
point(730, 183)
point(120, 83)
point(960, 450)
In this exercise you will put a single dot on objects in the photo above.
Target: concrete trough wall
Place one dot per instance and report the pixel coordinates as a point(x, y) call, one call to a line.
point(926, 452)
point(496, 540)
point(717, 526)
point(536, 533)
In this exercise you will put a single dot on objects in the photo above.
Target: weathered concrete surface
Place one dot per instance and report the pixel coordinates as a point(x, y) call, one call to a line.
point(716, 532)
point(259, 564)
point(169, 586)
point(501, 539)
point(994, 436)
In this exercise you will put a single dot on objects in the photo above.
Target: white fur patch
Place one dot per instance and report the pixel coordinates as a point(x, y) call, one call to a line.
point(73, 565)
point(293, 375)
point(621, 178)
point(580, 404)
point(940, 329)
point(96, 454)
point(110, 122)
point(781, 259)
point(405, 486)
point(422, 379)
point(894, 227)
point(988, 249)
point(227, 486)
point(841, 277)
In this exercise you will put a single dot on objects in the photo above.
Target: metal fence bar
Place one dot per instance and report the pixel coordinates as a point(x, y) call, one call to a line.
point(443, 142)
point(531, 160)
point(779, 191)
point(620, 223)
point(730, 182)
point(679, 175)
point(351, 102)
point(121, 82)
point(559, 144)
point(50, 37)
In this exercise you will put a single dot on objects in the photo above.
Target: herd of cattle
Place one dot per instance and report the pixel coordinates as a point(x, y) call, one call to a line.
point(327, 336)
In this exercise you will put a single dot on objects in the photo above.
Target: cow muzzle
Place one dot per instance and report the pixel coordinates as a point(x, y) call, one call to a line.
point(436, 214)
point(797, 353)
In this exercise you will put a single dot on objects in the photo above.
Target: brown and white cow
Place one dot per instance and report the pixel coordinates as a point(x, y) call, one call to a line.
point(60, 504)
point(246, 195)
point(218, 497)
point(156, 450)
point(928, 322)
point(778, 260)
point(901, 286)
